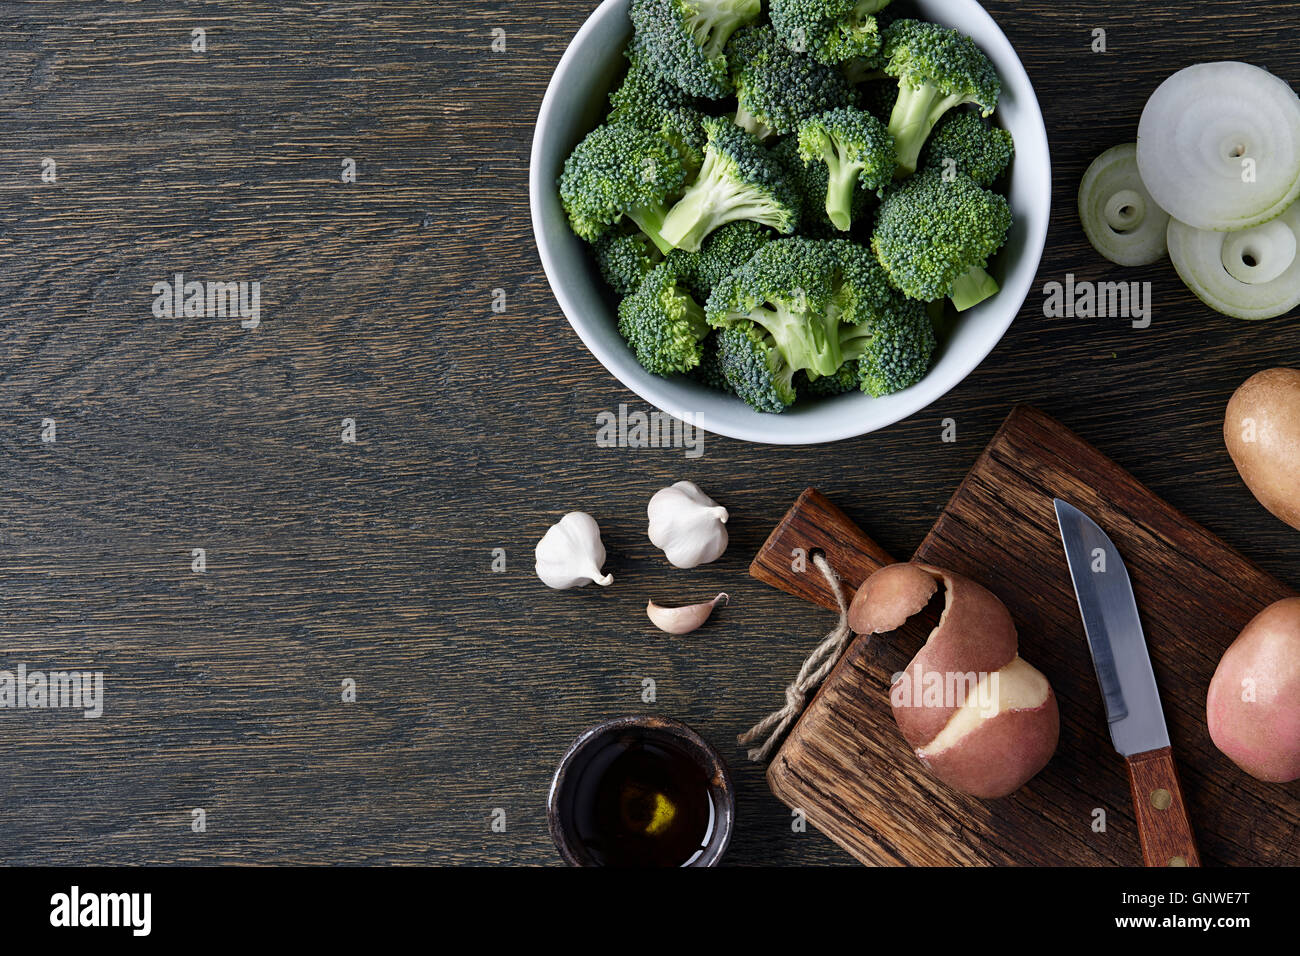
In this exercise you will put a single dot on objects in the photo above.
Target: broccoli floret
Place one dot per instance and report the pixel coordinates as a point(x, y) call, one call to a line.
point(726, 251)
point(813, 181)
point(820, 315)
point(863, 291)
point(965, 143)
point(789, 289)
point(776, 87)
point(685, 39)
point(646, 100)
point(886, 339)
point(935, 235)
point(858, 154)
point(739, 180)
point(893, 351)
point(832, 31)
point(663, 324)
point(755, 368)
point(620, 170)
point(625, 258)
point(644, 95)
point(937, 69)
point(722, 253)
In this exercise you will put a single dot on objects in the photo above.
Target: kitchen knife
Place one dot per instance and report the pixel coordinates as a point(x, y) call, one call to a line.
point(1128, 688)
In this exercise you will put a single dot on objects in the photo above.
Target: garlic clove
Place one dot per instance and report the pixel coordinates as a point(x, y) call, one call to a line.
point(571, 553)
point(683, 620)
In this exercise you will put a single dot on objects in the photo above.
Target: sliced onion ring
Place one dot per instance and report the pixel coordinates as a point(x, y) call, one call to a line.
point(1219, 146)
point(1119, 216)
point(1209, 263)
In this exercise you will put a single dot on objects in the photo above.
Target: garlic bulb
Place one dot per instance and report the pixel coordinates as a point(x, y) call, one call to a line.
point(687, 525)
point(570, 553)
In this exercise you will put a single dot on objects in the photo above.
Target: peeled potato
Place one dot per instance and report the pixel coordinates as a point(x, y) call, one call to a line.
point(1262, 431)
point(1253, 708)
point(1000, 727)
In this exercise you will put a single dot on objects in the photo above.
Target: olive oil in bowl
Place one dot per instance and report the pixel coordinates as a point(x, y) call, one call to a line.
point(637, 794)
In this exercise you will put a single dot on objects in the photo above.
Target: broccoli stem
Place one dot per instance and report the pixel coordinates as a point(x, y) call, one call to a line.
point(918, 108)
point(650, 219)
point(716, 20)
point(716, 199)
point(748, 122)
point(843, 183)
point(972, 288)
point(854, 340)
point(808, 342)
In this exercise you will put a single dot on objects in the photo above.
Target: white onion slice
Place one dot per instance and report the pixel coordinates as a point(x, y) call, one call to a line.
point(1219, 146)
point(1212, 264)
point(1119, 216)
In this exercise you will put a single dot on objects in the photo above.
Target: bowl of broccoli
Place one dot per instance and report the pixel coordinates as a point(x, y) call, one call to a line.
point(791, 222)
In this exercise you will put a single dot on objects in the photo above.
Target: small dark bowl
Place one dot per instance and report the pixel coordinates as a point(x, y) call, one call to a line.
point(672, 733)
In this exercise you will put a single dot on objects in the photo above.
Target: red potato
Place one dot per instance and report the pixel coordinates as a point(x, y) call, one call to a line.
point(1262, 432)
point(1253, 708)
point(978, 716)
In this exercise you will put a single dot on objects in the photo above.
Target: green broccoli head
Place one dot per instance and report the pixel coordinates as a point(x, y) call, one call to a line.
point(858, 154)
point(832, 31)
point(937, 69)
point(663, 324)
point(740, 180)
point(625, 258)
point(620, 170)
point(725, 251)
point(646, 100)
point(965, 143)
point(776, 87)
point(720, 255)
point(863, 291)
point(894, 351)
point(935, 234)
point(788, 288)
point(755, 368)
point(685, 39)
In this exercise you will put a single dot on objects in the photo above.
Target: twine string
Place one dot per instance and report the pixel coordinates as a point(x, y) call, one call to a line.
point(814, 670)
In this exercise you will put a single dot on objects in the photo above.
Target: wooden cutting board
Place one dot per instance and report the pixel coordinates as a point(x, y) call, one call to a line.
point(848, 768)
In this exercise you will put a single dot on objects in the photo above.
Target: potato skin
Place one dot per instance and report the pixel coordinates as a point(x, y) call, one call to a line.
point(1002, 754)
point(1268, 404)
point(975, 636)
point(1262, 736)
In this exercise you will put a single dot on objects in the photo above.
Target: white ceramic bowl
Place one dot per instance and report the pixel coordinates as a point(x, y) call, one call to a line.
point(575, 103)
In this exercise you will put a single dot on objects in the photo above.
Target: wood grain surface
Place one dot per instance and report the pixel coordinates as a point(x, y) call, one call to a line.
point(848, 768)
point(372, 561)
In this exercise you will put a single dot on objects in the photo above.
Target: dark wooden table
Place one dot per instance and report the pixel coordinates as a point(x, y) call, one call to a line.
point(372, 561)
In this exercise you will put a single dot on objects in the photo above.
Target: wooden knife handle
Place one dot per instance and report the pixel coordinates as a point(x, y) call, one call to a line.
point(1163, 824)
point(814, 524)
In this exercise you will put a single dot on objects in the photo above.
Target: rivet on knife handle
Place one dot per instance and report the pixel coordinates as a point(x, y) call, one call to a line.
point(1163, 824)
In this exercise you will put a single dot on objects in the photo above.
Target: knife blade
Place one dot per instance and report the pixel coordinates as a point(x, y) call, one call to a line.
point(1118, 646)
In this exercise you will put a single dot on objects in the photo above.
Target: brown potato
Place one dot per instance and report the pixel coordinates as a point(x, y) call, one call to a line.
point(1253, 708)
point(1262, 431)
point(977, 715)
